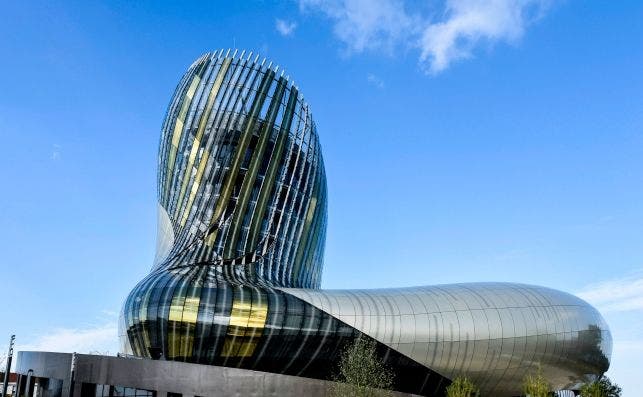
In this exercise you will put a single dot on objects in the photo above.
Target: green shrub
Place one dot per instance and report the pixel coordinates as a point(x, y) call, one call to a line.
point(535, 385)
point(602, 387)
point(361, 372)
point(462, 387)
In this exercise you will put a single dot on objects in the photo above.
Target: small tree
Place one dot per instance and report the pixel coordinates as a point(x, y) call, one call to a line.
point(536, 385)
point(361, 372)
point(592, 390)
point(603, 387)
point(462, 387)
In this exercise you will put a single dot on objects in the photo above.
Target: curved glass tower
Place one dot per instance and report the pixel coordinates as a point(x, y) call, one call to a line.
point(242, 224)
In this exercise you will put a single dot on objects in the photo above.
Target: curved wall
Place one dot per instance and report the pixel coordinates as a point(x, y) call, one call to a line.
point(495, 333)
point(242, 223)
point(241, 177)
point(193, 314)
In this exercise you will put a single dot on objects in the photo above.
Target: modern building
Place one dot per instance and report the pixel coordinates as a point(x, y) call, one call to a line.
point(11, 383)
point(235, 283)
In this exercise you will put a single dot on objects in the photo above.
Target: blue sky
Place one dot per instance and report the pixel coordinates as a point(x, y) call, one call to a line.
point(464, 140)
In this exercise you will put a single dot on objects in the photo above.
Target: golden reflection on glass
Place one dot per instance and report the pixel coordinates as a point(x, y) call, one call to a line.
point(247, 321)
point(196, 144)
point(191, 309)
point(178, 128)
point(182, 320)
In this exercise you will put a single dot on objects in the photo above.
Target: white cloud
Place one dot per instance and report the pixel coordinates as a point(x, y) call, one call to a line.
point(625, 367)
point(620, 300)
point(365, 24)
point(374, 80)
point(442, 36)
point(101, 338)
point(628, 346)
point(55, 152)
point(617, 295)
point(468, 22)
point(285, 28)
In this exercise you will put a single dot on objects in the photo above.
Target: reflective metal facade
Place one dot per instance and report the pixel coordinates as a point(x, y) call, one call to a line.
point(241, 180)
point(242, 222)
point(495, 333)
point(194, 314)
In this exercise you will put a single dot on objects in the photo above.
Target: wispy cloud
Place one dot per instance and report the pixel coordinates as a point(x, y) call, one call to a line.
point(55, 152)
point(469, 22)
point(365, 24)
point(100, 338)
point(443, 35)
point(285, 28)
point(616, 295)
point(625, 366)
point(629, 346)
point(620, 300)
point(375, 81)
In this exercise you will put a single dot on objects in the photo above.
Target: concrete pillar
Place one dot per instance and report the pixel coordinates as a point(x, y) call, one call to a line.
point(30, 384)
point(66, 387)
point(19, 383)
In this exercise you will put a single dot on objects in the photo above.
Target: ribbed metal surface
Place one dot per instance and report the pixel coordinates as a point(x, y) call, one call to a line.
point(194, 314)
point(242, 223)
point(495, 333)
point(241, 177)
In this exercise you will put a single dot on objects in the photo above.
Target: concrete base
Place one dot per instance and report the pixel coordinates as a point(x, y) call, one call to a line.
point(159, 377)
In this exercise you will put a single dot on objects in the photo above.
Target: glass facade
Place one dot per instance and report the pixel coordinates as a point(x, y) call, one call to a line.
point(193, 314)
point(241, 177)
point(242, 224)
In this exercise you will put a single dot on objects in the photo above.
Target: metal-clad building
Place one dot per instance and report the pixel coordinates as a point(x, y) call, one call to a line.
point(242, 222)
